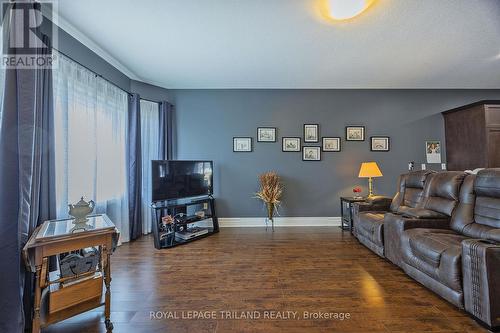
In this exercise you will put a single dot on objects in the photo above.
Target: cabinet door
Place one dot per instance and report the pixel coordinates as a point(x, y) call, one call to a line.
point(494, 147)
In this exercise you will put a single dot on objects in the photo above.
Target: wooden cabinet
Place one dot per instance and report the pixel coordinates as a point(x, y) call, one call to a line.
point(57, 298)
point(473, 136)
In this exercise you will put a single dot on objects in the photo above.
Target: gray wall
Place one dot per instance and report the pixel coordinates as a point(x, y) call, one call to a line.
point(207, 120)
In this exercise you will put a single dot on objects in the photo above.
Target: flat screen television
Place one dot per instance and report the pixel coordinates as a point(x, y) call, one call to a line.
point(181, 179)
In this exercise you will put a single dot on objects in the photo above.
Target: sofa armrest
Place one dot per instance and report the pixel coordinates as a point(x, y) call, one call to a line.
point(380, 200)
point(493, 235)
point(394, 227)
point(480, 271)
point(373, 204)
point(422, 213)
point(377, 203)
point(428, 223)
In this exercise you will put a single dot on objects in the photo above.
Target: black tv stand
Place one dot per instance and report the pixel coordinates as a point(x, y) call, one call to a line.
point(187, 226)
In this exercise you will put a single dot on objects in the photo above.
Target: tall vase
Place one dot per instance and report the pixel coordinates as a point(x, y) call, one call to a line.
point(270, 213)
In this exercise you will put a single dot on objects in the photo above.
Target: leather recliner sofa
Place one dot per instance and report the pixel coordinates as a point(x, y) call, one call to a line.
point(440, 197)
point(461, 262)
point(450, 240)
point(369, 216)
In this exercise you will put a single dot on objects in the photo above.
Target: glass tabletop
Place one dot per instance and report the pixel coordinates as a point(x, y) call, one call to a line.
point(63, 227)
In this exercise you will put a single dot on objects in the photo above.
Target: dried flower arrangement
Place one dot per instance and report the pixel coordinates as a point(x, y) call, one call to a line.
point(270, 191)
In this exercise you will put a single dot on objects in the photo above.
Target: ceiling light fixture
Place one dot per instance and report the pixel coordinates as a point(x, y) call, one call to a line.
point(346, 9)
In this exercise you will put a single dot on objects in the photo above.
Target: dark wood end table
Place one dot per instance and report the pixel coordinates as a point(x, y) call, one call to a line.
point(346, 211)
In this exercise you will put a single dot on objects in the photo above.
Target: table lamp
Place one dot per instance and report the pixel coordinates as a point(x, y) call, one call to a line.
point(369, 170)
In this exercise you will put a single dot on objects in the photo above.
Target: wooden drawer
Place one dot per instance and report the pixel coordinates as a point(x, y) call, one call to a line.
point(61, 298)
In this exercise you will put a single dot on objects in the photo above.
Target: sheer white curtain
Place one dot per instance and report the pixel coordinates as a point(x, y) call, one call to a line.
point(90, 135)
point(150, 133)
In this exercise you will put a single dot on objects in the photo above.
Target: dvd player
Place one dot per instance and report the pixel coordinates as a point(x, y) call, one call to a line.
point(191, 233)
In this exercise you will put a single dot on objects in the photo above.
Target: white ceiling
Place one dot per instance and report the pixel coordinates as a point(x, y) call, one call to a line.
point(287, 44)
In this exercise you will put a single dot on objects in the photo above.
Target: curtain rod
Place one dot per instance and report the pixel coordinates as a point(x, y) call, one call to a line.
point(102, 77)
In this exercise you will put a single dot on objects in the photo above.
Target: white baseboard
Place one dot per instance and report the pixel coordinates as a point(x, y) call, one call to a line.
point(229, 222)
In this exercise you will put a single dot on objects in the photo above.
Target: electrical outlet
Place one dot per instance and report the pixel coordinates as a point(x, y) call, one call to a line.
point(424, 167)
point(443, 166)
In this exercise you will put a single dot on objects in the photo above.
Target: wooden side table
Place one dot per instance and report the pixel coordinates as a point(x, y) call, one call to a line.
point(59, 236)
point(346, 210)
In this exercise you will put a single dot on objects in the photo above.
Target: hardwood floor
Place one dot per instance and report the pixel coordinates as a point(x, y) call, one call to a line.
point(246, 269)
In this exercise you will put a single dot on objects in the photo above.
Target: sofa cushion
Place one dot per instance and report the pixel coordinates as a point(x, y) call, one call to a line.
point(410, 190)
point(413, 196)
point(416, 179)
point(478, 212)
point(370, 225)
point(487, 211)
point(435, 252)
point(442, 191)
point(487, 183)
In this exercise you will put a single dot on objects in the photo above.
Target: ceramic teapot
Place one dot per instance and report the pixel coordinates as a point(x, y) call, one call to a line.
point(81, 210)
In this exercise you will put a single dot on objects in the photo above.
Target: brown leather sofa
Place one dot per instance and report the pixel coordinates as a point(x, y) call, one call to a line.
point(461, 262)
point(369, 216)
point(440, 197)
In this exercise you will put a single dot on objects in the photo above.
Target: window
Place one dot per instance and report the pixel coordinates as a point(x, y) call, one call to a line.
point(90, 116)
point(150, 128)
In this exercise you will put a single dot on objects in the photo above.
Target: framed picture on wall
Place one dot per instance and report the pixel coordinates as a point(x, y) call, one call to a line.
point(311, 154)
point(311, 133)
point(242, 144)
point(380, 143)
point(355, 133)
point(266, 134)
point(433, 151)
point(331, 144)
point(291, 144)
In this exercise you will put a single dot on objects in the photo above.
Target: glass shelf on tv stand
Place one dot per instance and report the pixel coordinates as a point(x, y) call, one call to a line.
point(180, 202)
point(165, 235)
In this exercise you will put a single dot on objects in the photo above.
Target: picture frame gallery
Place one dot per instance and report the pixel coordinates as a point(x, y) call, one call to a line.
point(311, 153)
point(380, 143)
point(242, 144)
point(291, 144)
point(266, 134)
point(331, 144)
point(355, 133)
point(311, 133)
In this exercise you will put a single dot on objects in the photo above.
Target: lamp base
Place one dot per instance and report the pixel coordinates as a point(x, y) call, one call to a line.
point(370, 187)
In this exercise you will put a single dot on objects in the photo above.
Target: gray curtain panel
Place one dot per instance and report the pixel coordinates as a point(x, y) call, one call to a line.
point(44, 186)
point(134, 166)
point(25, 136)
point(166, 135)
